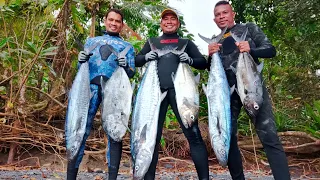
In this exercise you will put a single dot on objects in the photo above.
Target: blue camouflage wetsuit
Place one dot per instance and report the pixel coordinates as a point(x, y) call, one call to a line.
point(102, 64)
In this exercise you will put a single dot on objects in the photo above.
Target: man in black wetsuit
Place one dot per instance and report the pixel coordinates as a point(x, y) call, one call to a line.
point(168, 64)
point(258, 46)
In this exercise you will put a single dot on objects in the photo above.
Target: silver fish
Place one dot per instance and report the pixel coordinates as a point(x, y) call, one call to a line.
point(117, 97)
point(77, 113)
point(249, 83)
point(145, 121)
point(219, 113)
point(187, 94)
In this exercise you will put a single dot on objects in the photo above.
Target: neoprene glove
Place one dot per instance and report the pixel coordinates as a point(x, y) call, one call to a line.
point(83, 56)
point(184, 57)
point(151, 56)
point(122, 62)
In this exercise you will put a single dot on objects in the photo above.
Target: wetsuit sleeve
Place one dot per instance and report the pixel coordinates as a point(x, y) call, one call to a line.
point(264, 48)
point(86, 45)
point(199, 62)
point(130, 69)
point(140, 58)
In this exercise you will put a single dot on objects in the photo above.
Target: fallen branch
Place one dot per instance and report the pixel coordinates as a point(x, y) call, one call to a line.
point(48, 95)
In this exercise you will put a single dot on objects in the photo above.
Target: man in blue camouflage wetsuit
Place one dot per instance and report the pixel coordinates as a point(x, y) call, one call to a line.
point(168, 64)
point(102, 63)
point(258, 45)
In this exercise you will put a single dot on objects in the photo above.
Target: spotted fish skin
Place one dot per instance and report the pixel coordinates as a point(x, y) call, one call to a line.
point(116, 99)
point(77, 112)
point(145, 121)
point(116, 104)
point(187, 94)
point(249, 82)
point(219, 113)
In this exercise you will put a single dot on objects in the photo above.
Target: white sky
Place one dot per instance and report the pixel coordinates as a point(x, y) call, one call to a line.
point(198, 16)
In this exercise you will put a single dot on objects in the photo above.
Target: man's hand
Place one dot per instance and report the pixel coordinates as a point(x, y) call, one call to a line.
point(213, 48)
point(184, 57)
point(83, 56)
point(151, 56)
point(122, 62)
point(243, 46)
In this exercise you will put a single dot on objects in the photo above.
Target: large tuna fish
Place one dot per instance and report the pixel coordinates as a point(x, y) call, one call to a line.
point(145, 119)
point(249, 84)
point(219, 113)
point(187, 94)
point(117, 98)
point(77, 113)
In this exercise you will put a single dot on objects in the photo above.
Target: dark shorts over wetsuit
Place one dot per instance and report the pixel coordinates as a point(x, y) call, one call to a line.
point(167, 65)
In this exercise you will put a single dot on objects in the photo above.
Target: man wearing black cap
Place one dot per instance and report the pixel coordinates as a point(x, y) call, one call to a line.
point(168, 64)
point(258, 45)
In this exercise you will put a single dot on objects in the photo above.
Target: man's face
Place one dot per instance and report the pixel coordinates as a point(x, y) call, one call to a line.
point(224, 16)
point(169, 23)
point(113, 22)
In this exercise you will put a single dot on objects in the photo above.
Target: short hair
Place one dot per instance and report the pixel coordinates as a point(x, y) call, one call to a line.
point(118, 11)
point(222, 3)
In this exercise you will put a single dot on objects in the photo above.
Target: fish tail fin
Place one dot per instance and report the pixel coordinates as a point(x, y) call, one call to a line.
point(242, 38)
point(124, 52)
point(113, 50)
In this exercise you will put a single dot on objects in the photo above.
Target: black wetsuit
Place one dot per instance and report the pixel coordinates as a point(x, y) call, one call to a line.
point(166, 65)
point(260, 47)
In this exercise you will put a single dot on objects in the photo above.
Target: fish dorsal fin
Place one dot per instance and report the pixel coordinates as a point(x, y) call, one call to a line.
point(242, 38)
point(213, 40)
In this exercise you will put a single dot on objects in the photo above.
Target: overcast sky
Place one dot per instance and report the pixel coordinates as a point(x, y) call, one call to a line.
point(198, 16)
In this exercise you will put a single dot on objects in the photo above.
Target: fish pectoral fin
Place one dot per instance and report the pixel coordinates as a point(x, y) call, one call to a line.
point(143, 134)
point(197, 78)
point(260, 67)
point(163, 95)
point(172, 76)
point(103, 83)
point(232, 89)
point(124, 123)
point(234, 70)
point(237, 91)
point(204, 87)
point(133, 85)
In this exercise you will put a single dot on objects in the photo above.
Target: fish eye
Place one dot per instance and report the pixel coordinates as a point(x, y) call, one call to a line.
point(256, 106)
point(137, 168)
